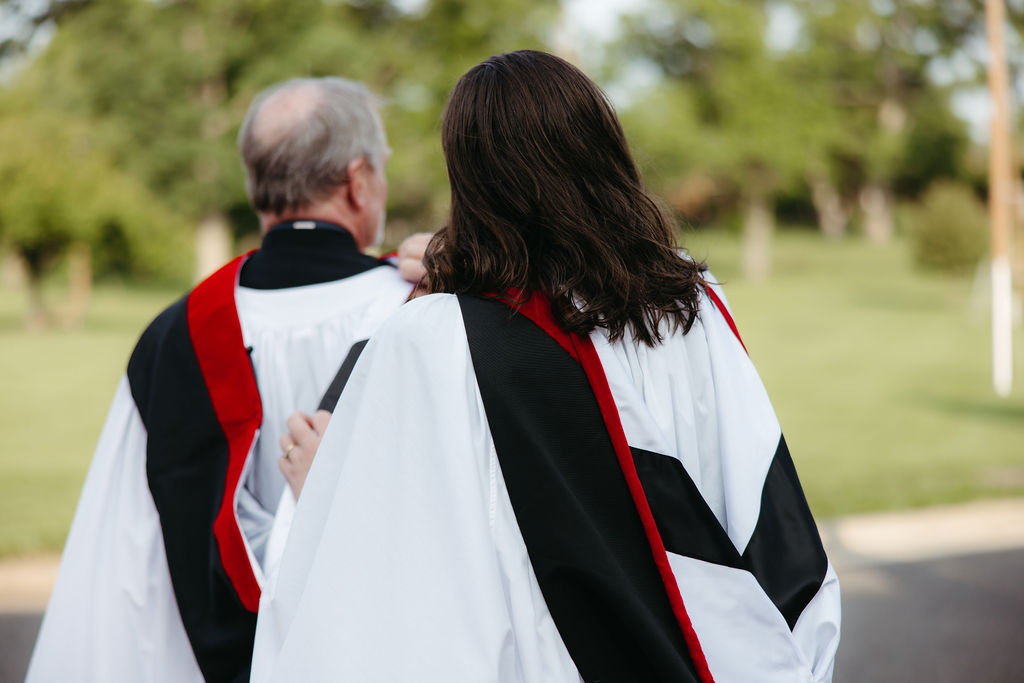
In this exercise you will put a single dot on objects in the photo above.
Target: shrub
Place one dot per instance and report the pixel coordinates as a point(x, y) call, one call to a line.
point(948, 228)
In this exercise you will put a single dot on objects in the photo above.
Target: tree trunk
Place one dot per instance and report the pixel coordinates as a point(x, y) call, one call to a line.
point(12, 270)
point(213, 244)
point(758, 227)
point(38, 259)
point(37, 316)
point(828, 204)
point(877, 206)
point(79, 283)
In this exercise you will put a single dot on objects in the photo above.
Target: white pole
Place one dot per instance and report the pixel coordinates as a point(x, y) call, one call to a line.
point(1000, 201)
point(1002, 326)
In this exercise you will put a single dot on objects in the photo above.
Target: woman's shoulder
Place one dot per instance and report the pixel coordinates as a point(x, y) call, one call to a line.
point(424, 310)
point(433, 317)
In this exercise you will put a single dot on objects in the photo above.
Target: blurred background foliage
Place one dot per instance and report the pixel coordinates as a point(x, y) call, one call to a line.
point(824, 113)
point(159, 90)
point(827, 156)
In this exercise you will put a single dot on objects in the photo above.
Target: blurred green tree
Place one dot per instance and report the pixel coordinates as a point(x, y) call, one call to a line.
point(754, 124)
point(61, 194)
point(897, 130)
point(165, 86)
point(948, 228)
point(849, 99)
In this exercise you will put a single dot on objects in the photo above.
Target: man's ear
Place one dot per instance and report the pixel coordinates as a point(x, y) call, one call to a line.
point(357, 190)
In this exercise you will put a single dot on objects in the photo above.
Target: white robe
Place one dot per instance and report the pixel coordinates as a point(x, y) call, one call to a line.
point(112, 616)
point(405, 560)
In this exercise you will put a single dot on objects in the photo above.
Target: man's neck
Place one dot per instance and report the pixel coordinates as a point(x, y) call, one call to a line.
point(269, 220)
point(307, 224)
point(325, 212)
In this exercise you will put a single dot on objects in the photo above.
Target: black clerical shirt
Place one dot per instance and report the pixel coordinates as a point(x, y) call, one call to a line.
point(297, 256)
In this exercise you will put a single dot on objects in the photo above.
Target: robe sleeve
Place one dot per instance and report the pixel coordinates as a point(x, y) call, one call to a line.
point(278, 534)
point(403, 561)
point(814, 638)
point(817, 630)
point(112, 614)
point(816, 633)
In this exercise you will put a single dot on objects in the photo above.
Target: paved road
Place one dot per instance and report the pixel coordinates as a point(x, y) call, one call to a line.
point(17, 633)
point(932, 596)
point(950, 620)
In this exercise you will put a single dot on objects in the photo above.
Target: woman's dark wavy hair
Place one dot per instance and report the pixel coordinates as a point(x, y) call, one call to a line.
point(546, 196)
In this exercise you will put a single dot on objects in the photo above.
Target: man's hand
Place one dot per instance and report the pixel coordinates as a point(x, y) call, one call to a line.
point(410, 256)
point(299, 446)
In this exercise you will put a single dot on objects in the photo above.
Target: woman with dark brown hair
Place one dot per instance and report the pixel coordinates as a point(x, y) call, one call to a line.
point(560, 465)
point(546, 197)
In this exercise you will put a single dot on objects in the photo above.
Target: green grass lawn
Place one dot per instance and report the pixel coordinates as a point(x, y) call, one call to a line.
point(880, 376)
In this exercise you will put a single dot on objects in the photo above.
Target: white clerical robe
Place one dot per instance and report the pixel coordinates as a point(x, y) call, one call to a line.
point(112, 615)
point(407, 558)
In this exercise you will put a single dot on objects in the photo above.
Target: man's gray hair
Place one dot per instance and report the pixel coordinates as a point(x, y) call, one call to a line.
point(299, 137)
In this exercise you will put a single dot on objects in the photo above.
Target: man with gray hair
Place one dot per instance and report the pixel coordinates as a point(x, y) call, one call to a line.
point(183, 512)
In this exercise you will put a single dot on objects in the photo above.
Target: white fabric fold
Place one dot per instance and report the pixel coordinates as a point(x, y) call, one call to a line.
point(112, 614)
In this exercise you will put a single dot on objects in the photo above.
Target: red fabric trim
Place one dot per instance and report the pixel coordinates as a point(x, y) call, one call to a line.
point(725, 314)
point(388, 256)
point(216, 337)
point(538, 309)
